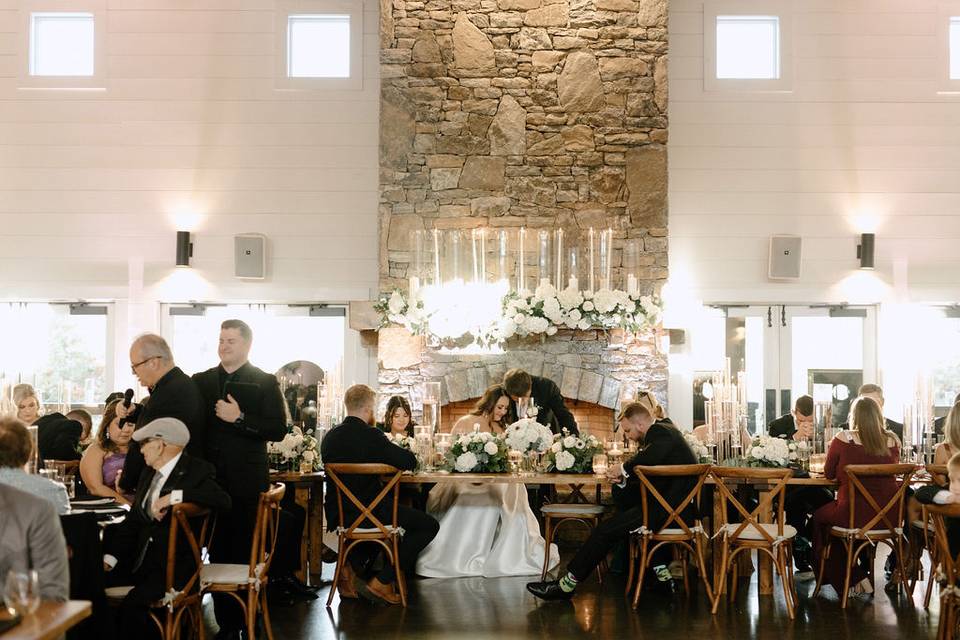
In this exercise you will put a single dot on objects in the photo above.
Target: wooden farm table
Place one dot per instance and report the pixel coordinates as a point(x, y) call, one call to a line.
point(309, 488)
point(51, 620)
point(575, 481)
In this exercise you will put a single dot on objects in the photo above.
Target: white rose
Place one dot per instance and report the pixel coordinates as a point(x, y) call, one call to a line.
point(465, 462)
point(491, 448)
point(556, 447)
point(575, 315)
point(583, 325)
point(396, 303)
point(569, 441)
point(564, 460)
point(551, 330)
point(519, 319)
point(588, 306)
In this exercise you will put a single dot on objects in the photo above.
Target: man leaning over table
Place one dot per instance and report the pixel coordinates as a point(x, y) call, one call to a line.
point(357, 440)
point(664, 445)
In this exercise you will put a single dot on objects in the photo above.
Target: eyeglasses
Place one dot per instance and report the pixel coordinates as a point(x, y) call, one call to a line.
point(133, 367)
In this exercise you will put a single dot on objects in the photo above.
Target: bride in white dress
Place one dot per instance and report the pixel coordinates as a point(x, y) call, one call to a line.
point(486, 530)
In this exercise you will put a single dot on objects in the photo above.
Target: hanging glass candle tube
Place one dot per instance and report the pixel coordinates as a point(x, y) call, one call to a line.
point(544, 256)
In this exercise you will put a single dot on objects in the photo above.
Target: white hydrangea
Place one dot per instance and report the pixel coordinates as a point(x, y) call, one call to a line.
point(551, 309)
point(564, 460)
point(570, 298)
point(396, 303)
point(465, 462)
point(545, 291)
point(604, 301)
point(534, 324)
point(491, 448)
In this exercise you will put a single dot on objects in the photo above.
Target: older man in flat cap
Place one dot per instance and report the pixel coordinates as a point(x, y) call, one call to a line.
point(138, 548)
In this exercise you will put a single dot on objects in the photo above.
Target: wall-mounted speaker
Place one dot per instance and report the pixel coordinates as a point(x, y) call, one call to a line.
point(784, 263)
point(250, 256)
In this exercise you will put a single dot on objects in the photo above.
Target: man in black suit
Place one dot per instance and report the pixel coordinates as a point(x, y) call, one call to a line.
point(545, 394)
point(800, 502)
point(357, 440)
point(664, 445)
point(236, 443)
point(875, 392)
point(796, 425)
point(58, 437)
point(172, 395)
point(137, 548)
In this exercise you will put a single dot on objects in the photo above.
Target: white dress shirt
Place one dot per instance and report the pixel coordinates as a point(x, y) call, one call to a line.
point(156, 485)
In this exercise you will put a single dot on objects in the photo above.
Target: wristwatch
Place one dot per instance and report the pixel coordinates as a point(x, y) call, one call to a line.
point(239, 418)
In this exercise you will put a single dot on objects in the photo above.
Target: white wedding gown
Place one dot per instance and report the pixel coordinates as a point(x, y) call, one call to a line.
point(486, 530)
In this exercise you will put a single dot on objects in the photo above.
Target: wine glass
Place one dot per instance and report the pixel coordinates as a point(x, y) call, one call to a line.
point(523, 405)
point(22, 591)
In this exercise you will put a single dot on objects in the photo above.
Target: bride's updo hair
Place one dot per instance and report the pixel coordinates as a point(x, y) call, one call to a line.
point(489, 400)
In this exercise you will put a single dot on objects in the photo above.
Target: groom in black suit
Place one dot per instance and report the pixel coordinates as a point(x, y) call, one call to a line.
point(545, 394)
point(664, 445)
point(357, 440)
point(237, 432)
point(138, 547)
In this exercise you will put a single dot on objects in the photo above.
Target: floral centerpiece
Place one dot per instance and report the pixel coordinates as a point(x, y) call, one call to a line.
point(768, 451)
point(700, 450)
point(401, 440)
point(478, 453)
point(526, 435)
point(573, 454)
point(296, 450)
point(541, 313)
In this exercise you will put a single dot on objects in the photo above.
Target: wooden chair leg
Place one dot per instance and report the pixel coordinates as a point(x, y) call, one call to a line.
point(341, 559)
point(642, 569)
point(902, 588)
point(721, 578)
point(401, 586)
point(823, 565)
point(846, 574)
point(632, 544)
point(266, 614)
point(931, 579)
point(250, 613)
point(783, 570)
point(735, 583)
point(548, 535)
point(702, 565)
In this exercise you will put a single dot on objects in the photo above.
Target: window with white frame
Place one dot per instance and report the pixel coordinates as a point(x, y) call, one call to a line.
point(318, 46)
point(61, 44)
point(954, 45)
point(748, 47)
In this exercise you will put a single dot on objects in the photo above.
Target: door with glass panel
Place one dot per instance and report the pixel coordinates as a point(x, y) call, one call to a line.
point(787, 351)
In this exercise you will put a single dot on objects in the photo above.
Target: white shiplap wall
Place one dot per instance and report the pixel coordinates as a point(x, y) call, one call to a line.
point(190, 124)
point(868, 136)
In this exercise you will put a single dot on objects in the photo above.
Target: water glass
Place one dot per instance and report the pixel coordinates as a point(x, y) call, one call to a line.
point(70, 484)
point(49, 474)
point(49, 463)
point(516, 459)
point(22, 591)
point(600, 464)
point(817, 462)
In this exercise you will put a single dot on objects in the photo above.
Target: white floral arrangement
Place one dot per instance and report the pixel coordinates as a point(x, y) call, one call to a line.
point(768, 451)
point(527, 435)
point(700, 449)
point(401, 440)
point(541, 313)
point(295, 448)
point(478, 453)
point(573, 454)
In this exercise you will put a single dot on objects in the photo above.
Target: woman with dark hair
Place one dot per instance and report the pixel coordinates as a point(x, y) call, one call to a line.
point(867, 442)
point(505, 536)
point(487, 414)
point(103, 460)
point(398, 417)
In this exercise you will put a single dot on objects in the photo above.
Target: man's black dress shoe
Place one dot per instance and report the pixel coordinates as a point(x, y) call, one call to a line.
point(549, 590)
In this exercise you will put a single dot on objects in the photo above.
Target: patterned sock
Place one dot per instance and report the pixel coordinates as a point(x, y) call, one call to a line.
point(568, 583)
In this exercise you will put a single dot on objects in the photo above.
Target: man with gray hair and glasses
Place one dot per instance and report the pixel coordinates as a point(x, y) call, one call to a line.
point(173, 394)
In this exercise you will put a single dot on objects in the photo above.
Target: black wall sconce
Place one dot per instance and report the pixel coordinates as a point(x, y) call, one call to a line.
point(865, 250)
point(184, 249)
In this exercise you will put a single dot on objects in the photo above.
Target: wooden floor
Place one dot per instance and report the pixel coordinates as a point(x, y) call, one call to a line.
point(502, 609)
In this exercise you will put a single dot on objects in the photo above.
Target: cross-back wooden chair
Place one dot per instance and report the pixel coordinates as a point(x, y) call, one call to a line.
point(250, 580)
point(922, 537)
point(949, 562)
point(367, 527)
point(168, 613)
point(885, 527)
point(684, 535)
point(774, 539)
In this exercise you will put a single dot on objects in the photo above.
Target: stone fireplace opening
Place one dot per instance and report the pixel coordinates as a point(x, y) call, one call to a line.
point(591, 417)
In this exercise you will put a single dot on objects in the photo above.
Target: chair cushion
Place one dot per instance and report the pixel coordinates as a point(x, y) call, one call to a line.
point(871, 532)
point(752, 533)
point(224, 573)
point(118, 593)
point(573, 509)
point(920, 524)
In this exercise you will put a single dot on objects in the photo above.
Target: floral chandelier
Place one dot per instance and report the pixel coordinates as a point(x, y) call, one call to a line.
point(478, 287)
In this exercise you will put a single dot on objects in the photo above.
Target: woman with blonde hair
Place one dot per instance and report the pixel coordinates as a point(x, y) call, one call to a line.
point(951, 442)
point(867, 442)
point(27, 403)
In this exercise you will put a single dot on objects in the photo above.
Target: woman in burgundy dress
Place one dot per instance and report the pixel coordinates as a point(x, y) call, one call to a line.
point(867, 442)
